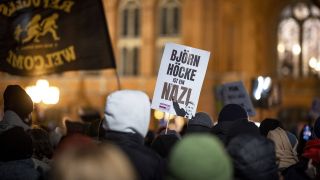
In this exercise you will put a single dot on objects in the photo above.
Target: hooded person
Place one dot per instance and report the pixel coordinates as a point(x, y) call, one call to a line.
point(285, 151)
point(164, 142)
point(201, 157)
point(269, 124)
point(253, 158)
point(229, 114)
point(241, 128)
point(17, 108)
point(200, 123)
point(127, 116)
point(15, 155)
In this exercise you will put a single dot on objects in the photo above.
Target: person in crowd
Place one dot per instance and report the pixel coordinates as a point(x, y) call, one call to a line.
point(127, 116)
point(201, 157)
point(42, 148)
point(200, 123)
point(229, 114)
point(316, 128)
point(242, 128)
point(164, 142)
point(15, 155)
point(312, 152)
point(285, 149)
point(95, 162)
point(253, 158)
point(18, 107)
point(149, 138)
point(269, 124)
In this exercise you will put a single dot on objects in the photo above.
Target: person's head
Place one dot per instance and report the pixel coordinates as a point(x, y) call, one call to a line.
point(199, 156)
point(105, 162)
point(269, 124)
point(42, 147)
point(231, 113)
point(15, 144)
point(128, 111)
point(190, 108)
point(17, 100)
point(164, 142)
point(200, 123)
point(253, 157)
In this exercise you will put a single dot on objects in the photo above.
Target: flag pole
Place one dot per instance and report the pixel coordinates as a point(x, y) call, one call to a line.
point(118, 79)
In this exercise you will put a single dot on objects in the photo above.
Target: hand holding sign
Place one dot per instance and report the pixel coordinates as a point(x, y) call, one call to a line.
point(180, 78)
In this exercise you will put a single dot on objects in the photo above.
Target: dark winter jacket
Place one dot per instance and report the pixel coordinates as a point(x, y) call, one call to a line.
point(18, 170)
point(253, 158)
point(148, 164)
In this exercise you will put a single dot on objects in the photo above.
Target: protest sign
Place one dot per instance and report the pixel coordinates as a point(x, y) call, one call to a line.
point(235, 93)
point(180, 79)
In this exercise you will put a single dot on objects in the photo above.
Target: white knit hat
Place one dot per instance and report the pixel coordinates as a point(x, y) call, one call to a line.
point(128, 111)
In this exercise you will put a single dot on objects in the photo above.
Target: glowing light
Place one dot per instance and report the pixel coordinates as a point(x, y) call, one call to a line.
point(296, 49)
point(158, 114)
point(51, 96)
point(281, 48)
point(313, 62)
point(263, 84)
point(317, 66)
point(42, 92)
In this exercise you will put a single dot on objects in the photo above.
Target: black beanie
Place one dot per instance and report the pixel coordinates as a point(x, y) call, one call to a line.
point(232, 112)
point(268, 125)
point(16, 144)
point(16, 99)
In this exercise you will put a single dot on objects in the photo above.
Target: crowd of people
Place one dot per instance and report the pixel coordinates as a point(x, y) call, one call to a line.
point(120, 146)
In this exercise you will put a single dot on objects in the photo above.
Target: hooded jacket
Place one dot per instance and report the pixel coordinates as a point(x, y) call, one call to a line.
point(286, 154)
point(253, 158)
point(10, 120)
point(127, 116)
point(229, 114)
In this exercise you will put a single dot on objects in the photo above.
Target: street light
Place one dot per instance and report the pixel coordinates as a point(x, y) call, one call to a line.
point(42, 92)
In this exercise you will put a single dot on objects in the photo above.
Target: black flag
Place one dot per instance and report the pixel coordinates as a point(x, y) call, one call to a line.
point(40, 37)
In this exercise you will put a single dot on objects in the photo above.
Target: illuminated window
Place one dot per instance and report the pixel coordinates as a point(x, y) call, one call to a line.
point(298, 40)
point(129, 37)
point(169, 27)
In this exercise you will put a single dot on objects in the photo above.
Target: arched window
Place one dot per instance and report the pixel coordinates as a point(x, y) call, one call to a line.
point(129, 37)
point(298, 40)
point(169, 26)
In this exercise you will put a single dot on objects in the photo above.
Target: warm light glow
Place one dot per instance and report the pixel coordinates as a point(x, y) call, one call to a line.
point(281, 48)
point(313, 62)
point(296, 49)
point(32, 91)
point(158, 114)
point(42, 92)
point(317, 66)
point(51, 96)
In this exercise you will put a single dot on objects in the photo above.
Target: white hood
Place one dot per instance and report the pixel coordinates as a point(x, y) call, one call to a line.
point(128, 111)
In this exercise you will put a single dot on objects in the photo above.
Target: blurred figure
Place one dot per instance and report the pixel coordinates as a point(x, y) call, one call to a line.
point(285, 151)
point(200, 123)
point(200, 157)
point(164, 142)
point(269, 124)
point(229, 114)
point(316, 128)
point(92, 163)
point(127, 117)
point(17, 108)
point(15, 155)
point(42, 149)
point(242, 128)
point(253, 158)
point(312, 152)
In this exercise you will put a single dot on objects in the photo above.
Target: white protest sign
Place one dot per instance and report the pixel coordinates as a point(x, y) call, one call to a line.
point(235, 93)
point(180, 79)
